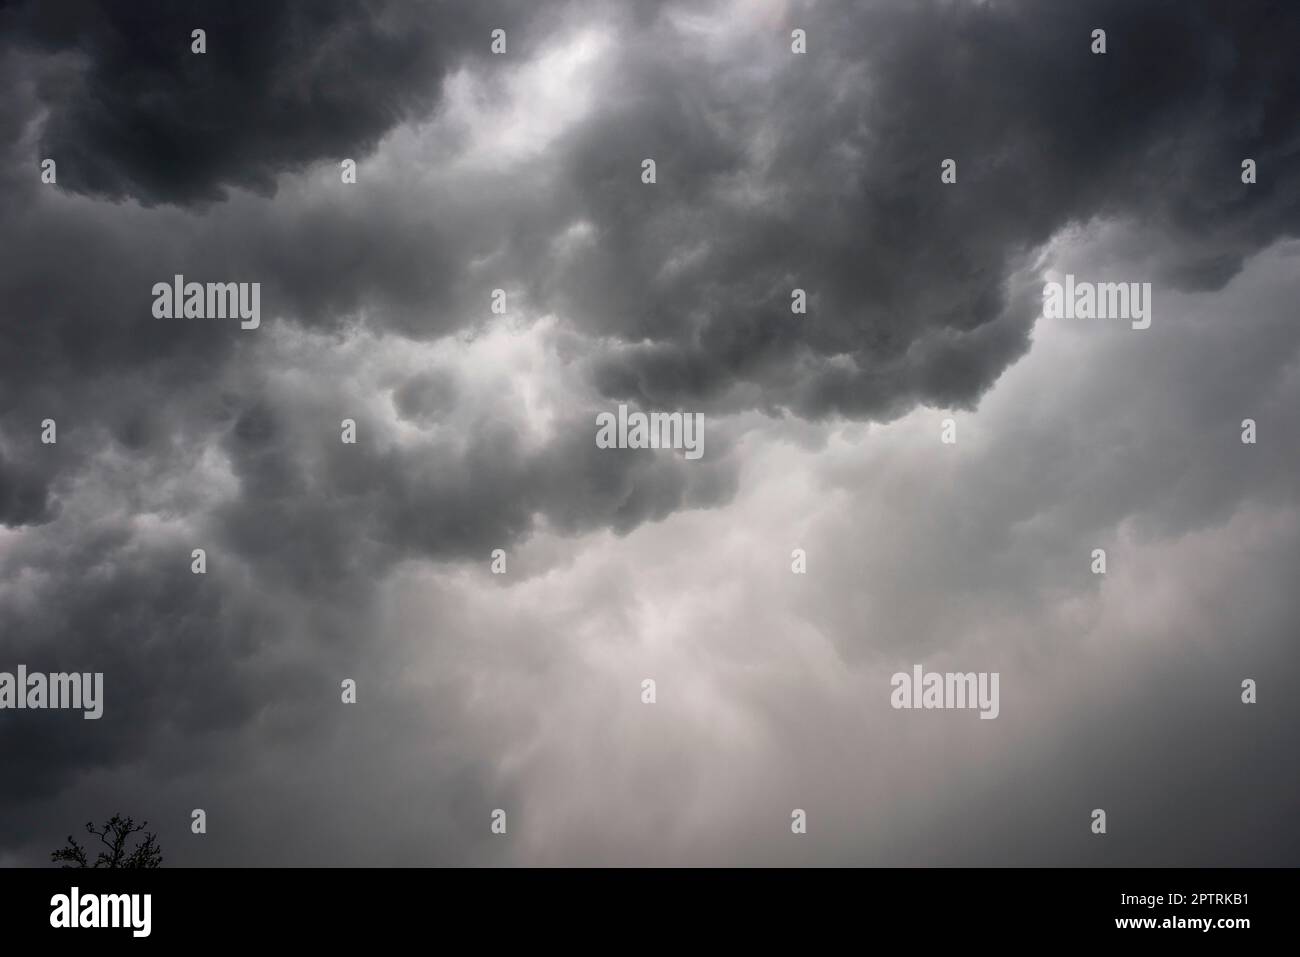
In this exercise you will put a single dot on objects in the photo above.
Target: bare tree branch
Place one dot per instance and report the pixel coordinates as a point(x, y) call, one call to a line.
point(114, 836)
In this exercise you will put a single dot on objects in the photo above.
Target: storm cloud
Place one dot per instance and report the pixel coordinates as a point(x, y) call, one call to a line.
point(521, 172)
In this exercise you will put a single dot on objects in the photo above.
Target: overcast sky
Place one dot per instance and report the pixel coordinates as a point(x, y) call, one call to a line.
point(475, 431)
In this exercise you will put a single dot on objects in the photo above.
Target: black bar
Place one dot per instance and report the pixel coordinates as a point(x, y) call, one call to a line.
point(665, 908)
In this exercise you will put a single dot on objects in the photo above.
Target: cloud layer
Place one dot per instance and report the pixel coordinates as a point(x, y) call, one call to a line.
point(775, 171)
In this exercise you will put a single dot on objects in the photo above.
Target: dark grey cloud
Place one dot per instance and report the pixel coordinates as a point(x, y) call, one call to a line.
point(903, 270)
point(821, 172)
point(281, 85)
point(775, 171)
point(818, 171)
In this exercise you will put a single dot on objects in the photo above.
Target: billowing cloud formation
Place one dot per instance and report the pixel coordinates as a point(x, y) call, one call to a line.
point(775, 171)
point(138, 114)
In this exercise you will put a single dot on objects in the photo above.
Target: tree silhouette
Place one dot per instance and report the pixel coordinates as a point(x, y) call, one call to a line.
point(117, 830)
